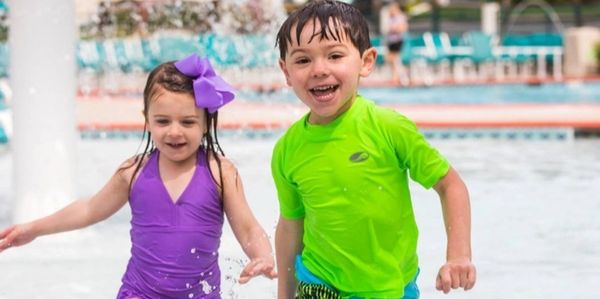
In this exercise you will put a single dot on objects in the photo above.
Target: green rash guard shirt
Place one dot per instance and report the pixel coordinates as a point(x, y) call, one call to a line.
point(348, 180)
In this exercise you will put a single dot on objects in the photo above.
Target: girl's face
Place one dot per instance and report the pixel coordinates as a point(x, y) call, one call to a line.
point(176, 124)
point(325, 73)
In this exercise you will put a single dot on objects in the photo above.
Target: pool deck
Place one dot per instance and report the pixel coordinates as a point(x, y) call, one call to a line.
point(124, 113)
point(121, 109)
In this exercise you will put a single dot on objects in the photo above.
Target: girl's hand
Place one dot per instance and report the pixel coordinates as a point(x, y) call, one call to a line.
point(258, 266)
point(16, 235)
point(456, 274)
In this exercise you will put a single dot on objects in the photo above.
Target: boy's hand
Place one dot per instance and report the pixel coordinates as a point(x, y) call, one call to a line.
point(16, 235)
point(258, 266)
point(456, 274)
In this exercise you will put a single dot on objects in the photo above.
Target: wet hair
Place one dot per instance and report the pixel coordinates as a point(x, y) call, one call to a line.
point(167, 77)
point(347, 20)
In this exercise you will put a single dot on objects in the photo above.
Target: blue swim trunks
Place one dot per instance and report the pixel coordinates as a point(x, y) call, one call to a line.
point(311, 286)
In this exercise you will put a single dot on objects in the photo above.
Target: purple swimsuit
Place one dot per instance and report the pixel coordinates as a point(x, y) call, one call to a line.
point(174, 251)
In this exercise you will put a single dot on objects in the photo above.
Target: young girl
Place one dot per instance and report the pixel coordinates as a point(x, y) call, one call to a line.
point(177, 189)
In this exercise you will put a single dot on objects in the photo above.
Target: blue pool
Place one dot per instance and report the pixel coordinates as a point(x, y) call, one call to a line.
point(555, 93)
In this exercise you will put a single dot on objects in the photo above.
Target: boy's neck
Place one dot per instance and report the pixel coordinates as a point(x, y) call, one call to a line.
point(326, 121)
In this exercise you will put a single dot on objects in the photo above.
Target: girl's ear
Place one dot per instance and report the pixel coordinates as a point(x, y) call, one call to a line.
point(285, 71)
point(369, 58)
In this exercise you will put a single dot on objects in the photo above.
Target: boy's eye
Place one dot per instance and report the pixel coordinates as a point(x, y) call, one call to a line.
point(336, 56)
point(302, 60)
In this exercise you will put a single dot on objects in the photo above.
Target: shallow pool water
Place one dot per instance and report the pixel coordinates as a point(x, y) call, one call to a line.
point(567, 93)
point(534, 205)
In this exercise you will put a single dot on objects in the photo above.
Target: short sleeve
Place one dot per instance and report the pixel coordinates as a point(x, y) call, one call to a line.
point(425, 164)
point(290, 202)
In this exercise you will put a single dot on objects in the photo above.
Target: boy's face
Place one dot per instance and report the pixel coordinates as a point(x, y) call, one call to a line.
point(325, 73)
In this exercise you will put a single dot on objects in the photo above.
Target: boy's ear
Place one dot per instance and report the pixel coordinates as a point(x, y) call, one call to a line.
point(369, 58)
point(285, 71)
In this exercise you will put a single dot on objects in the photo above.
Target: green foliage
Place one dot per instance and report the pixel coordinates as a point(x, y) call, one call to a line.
point(562, 2)
point(3, 33)
point(129, 17)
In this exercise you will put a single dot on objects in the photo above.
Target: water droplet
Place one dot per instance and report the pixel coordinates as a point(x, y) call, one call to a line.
point(206, 287)
point(193, 250)
point(191, 295)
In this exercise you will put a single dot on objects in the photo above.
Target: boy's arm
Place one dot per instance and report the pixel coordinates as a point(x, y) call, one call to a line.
point(288, 244)
point(458, 271)
point(78, 214)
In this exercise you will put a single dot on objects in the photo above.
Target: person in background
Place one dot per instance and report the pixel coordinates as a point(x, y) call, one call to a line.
point(105, 21)
point(347, 227)
point(394, 25)
point(178, 190)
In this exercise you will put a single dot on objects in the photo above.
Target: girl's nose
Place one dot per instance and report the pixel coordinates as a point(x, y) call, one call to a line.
point(174, 130)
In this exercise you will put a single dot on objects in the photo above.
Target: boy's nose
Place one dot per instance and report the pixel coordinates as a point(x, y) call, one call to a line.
point(319, 68)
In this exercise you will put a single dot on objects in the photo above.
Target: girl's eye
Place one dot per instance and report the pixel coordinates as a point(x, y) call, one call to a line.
point(162, 121)
point(188, 122)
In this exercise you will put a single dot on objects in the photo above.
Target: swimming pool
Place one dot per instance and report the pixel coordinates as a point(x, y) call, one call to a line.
point(571, 93)
point(534, 206)
point(562, 111)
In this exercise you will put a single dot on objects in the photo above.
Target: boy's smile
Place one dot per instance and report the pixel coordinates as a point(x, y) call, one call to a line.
point(324, 73)
point(324, 93)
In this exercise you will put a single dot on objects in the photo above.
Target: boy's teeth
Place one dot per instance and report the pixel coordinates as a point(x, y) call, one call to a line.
point(323, 88)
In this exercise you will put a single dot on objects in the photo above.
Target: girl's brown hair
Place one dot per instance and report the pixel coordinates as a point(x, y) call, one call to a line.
point(166, 76)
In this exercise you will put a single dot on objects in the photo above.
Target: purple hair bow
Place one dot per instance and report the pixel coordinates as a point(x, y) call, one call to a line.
point(210, 90)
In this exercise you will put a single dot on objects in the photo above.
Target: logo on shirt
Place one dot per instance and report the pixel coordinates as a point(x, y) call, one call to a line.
point(359, 157)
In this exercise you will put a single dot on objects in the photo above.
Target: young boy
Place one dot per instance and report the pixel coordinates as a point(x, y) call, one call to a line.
point(347, 228)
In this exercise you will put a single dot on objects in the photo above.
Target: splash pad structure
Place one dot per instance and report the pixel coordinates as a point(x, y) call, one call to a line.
point(42, 77)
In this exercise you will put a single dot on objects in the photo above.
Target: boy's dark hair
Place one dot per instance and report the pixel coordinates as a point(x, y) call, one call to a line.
point(347, 19)
point(167, 77)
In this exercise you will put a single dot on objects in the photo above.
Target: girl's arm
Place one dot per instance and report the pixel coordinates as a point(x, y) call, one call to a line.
point(247, 230)
point(288, 244)
point(78, 214)
point(458, 271)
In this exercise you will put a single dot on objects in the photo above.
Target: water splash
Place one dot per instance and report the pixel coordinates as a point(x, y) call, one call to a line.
point(206, 287)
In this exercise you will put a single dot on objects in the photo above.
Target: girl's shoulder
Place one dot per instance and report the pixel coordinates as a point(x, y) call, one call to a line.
point(227, 167)
point(130, 167)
